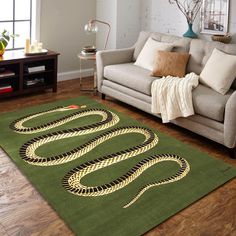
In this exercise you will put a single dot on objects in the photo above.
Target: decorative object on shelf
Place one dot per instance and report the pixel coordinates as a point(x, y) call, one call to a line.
point(33, 69)
point(34, 49)
point(214, 17)
point(190, 9)
point(27, 45)
point(222, 38)
point(92, 27)
point(4, 40)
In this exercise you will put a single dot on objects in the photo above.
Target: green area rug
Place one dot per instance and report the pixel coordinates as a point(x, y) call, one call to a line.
point(103, 172)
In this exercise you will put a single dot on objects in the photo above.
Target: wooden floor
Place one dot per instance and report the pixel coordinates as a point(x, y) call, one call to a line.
point(24, 212)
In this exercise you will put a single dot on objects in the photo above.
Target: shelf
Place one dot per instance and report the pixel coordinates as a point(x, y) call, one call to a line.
point(9, 77)
point(13, 93)
point(37, 88)
point(37, 84)
point(26, 91)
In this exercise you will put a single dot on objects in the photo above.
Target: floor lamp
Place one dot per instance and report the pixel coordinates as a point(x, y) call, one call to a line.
point(92, 27)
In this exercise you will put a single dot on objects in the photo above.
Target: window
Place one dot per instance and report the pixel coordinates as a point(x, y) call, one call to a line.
point(20, 17)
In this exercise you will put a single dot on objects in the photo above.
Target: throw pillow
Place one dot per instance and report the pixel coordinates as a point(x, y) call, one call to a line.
point(170, 63)
point(219, 71)
point(146, 57)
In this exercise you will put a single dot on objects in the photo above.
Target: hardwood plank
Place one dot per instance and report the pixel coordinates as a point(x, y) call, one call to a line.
point(24, 212)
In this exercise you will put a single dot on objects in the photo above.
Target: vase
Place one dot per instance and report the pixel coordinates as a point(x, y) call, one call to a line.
point(190, 33)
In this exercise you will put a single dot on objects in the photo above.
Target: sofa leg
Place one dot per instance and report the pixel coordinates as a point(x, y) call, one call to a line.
point(103, 96)
point(232, 153)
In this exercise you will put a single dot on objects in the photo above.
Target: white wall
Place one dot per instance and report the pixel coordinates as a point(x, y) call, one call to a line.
point(62, 24)
point(62, 29)
point(159, 16)
point(106, 11)
point(125, 20)
point(128, 22)
point(163, 17)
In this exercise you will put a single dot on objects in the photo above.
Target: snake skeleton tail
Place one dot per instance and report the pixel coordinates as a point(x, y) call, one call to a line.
point(72, 181)
point(183, 171)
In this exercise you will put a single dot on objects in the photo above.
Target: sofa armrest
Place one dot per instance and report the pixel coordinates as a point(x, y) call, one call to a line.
point(111, 57)
point(230, 122)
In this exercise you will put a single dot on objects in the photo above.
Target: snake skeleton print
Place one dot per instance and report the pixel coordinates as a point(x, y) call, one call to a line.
point(27, 151)
point(72, 180)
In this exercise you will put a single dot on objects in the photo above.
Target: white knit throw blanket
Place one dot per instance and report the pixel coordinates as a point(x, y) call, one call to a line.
point(172, 96)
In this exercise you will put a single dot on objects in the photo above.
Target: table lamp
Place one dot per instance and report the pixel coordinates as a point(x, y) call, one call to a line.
point(92, 27)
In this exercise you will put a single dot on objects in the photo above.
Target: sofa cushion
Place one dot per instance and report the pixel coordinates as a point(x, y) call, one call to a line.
point(170, 63)
point(180, 44)
point(147, 56)
point(219, 71)
point(130, 76)
point(209, 103)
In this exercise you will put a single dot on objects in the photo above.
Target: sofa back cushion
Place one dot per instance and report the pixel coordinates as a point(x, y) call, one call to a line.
point(180, 44)
point(201, 50)
point(142, 39)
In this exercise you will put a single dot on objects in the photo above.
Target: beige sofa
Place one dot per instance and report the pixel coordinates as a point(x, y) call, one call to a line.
point(215, 114)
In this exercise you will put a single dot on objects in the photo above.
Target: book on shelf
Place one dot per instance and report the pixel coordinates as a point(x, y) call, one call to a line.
point(4, 86)
point(5, 89)
point(33, 82)
point(35, 69)
point(6, 73)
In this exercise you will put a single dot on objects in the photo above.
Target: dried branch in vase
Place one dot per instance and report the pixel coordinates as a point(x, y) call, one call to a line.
point(189, 8)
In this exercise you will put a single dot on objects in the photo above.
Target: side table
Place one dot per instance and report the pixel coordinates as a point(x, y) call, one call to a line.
point(88, 58)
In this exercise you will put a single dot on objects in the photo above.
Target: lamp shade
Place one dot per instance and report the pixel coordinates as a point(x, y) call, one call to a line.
point(91, 27)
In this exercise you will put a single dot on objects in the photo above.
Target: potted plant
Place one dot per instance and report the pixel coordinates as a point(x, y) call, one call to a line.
point(190, 9)
point(4, 40)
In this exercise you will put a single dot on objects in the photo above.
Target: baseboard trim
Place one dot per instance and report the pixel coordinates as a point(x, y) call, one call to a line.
point(74, 74)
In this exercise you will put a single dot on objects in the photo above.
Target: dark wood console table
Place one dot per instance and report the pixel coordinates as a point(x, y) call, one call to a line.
point(18, 75)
